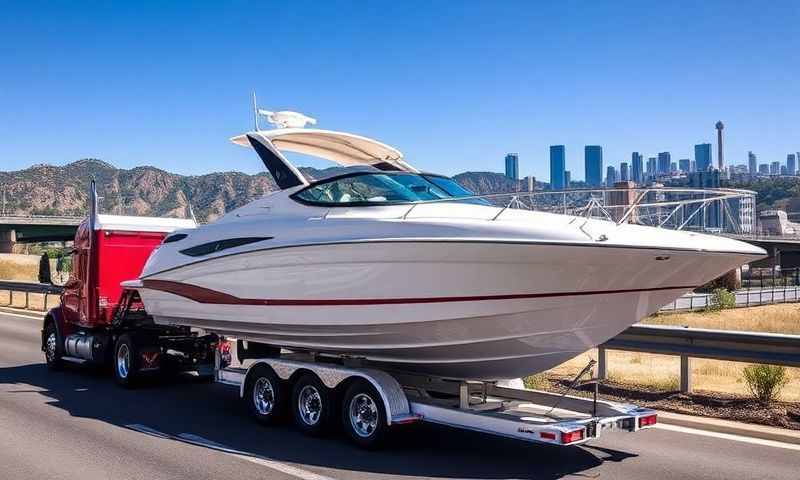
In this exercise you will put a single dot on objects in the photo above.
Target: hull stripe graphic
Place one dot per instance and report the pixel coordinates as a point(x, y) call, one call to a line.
point(208, 296)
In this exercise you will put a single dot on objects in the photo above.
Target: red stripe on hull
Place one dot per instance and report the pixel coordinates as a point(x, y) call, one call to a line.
point(205, 295)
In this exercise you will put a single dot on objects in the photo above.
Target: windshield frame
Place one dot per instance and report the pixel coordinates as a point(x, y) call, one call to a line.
point(296, 195)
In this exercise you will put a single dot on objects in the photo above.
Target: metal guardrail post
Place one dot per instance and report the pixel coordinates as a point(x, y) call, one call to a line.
point(686, 374)
point(602, 363)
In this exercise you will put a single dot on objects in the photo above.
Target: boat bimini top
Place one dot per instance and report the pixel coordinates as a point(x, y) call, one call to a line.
point(290, 135)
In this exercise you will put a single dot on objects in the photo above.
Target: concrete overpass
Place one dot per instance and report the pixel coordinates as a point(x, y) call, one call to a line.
point(29, 229)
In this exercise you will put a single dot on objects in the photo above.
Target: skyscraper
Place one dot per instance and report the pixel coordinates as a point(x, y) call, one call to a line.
point(720, 159)
point(593, 165)
point(624, 174)
point(637, 169)
point(775, 168)
point(763, 169)
point(702, 156)
point(557, 167)
point(664, 161)
point(567, 178)
point(651, 167)
point(611, 176)
point(512, 166)
point(791, 164)
point(685, 165)
point(752, 163)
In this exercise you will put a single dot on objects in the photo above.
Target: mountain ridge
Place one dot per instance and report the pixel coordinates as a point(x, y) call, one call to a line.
point(45, 189)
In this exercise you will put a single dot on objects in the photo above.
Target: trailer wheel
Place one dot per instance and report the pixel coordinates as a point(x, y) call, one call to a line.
point(264, 395)
point(52, 348)
point(125, 364)
point(312, 405)
point(363, 415)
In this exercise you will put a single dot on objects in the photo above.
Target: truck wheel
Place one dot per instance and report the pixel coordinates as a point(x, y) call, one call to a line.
point(125, 364)
point(52, 348)
point(312, 405)
point(363, 415)
point(264, 395)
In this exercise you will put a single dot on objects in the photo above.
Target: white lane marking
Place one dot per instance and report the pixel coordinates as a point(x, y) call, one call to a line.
point(281, 467)
point(729, 436)
point(249, 457)
point(13, 314)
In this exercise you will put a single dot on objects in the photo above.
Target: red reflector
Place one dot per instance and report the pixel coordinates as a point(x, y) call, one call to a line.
point(574, 436)
point(548, 435)
point(648, 420)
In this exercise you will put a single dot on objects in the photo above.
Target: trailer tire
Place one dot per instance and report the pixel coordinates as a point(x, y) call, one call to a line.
point(364, 415)
point(264, 394)
point(125, 361)
point(53, 347)
point(312, 405)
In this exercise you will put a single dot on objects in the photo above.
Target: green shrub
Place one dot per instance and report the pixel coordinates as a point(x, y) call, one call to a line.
point(765, 381)
point(721, 299)
point(535, 382)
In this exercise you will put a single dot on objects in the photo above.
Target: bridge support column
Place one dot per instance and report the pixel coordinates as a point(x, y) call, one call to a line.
point(7, 240)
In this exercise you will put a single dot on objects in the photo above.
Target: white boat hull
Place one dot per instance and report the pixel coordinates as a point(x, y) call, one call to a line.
point(500, 310)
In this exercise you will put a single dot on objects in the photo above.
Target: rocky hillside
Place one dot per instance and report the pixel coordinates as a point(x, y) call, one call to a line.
point(51, 190)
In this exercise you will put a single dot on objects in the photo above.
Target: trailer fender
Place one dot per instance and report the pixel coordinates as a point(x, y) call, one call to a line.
point(394, 399)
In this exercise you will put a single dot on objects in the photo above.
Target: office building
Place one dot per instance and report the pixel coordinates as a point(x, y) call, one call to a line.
point(512, 166)
point(791, 164)
point(624, 174)
point(673, 167)
point(702, 157)
point(567, 178)
point(784, 170)
point(637, 167)
point(752, 163)
point(557, 167)
point(775, 168)
point(664, 161)
point(651, 167)
point(611, 176)
point(763, 169)
point(685, 165)
point(593, 164)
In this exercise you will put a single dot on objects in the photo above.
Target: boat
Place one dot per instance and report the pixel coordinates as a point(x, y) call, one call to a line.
point(405, 270)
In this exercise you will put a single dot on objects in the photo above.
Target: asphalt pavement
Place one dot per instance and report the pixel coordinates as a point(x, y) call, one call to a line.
point(78, 424)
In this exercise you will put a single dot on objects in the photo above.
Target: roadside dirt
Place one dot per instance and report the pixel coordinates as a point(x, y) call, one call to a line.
point(702, 403)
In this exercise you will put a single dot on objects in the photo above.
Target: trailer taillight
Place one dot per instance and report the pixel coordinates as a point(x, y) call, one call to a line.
point(571, 437)
point(648, 420)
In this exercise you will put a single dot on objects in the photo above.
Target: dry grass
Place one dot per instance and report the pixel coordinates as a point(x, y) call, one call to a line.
point(23, 268)
point(780, 318)
point(661, 372)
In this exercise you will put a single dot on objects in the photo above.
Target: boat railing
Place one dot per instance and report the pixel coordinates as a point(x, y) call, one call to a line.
point(720, 210)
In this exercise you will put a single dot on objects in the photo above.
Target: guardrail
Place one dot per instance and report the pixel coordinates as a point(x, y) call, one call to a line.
point(28, 288)
point(688, 343)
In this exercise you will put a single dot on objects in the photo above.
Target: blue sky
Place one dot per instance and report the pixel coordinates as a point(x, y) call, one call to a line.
point(454, 85)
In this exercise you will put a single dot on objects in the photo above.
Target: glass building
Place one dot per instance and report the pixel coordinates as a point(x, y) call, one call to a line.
point(637, 167)
point(791, 164)
point(593, 164)
point(512, 166)
point(685, 165)
point(558, 167)
point(752, 163)
point(664, 163)
point(624, 173)
point(702, 157)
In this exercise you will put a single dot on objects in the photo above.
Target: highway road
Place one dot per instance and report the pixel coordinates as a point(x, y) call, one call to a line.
point(79, 424)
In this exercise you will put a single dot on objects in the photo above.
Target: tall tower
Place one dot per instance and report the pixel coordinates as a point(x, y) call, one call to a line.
point(720, 159)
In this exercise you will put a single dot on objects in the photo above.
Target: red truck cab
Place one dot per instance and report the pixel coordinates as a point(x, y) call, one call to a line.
point(99, 322)
point(106, 252)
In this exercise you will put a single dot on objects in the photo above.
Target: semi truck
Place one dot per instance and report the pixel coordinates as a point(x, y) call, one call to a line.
point(99, 322)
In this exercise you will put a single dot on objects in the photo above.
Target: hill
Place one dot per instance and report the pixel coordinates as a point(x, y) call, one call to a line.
point(146, 190)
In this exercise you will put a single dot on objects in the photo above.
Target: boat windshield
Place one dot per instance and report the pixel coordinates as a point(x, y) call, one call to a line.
point(373, 188)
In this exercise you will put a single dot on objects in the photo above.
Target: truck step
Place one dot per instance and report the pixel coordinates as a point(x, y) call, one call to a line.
point(76, 360)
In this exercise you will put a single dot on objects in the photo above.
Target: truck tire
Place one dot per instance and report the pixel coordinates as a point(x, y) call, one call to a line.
point(264, 394)
point(125, 361)
point(363, 415)
point(312, 405)
point(53, 347)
